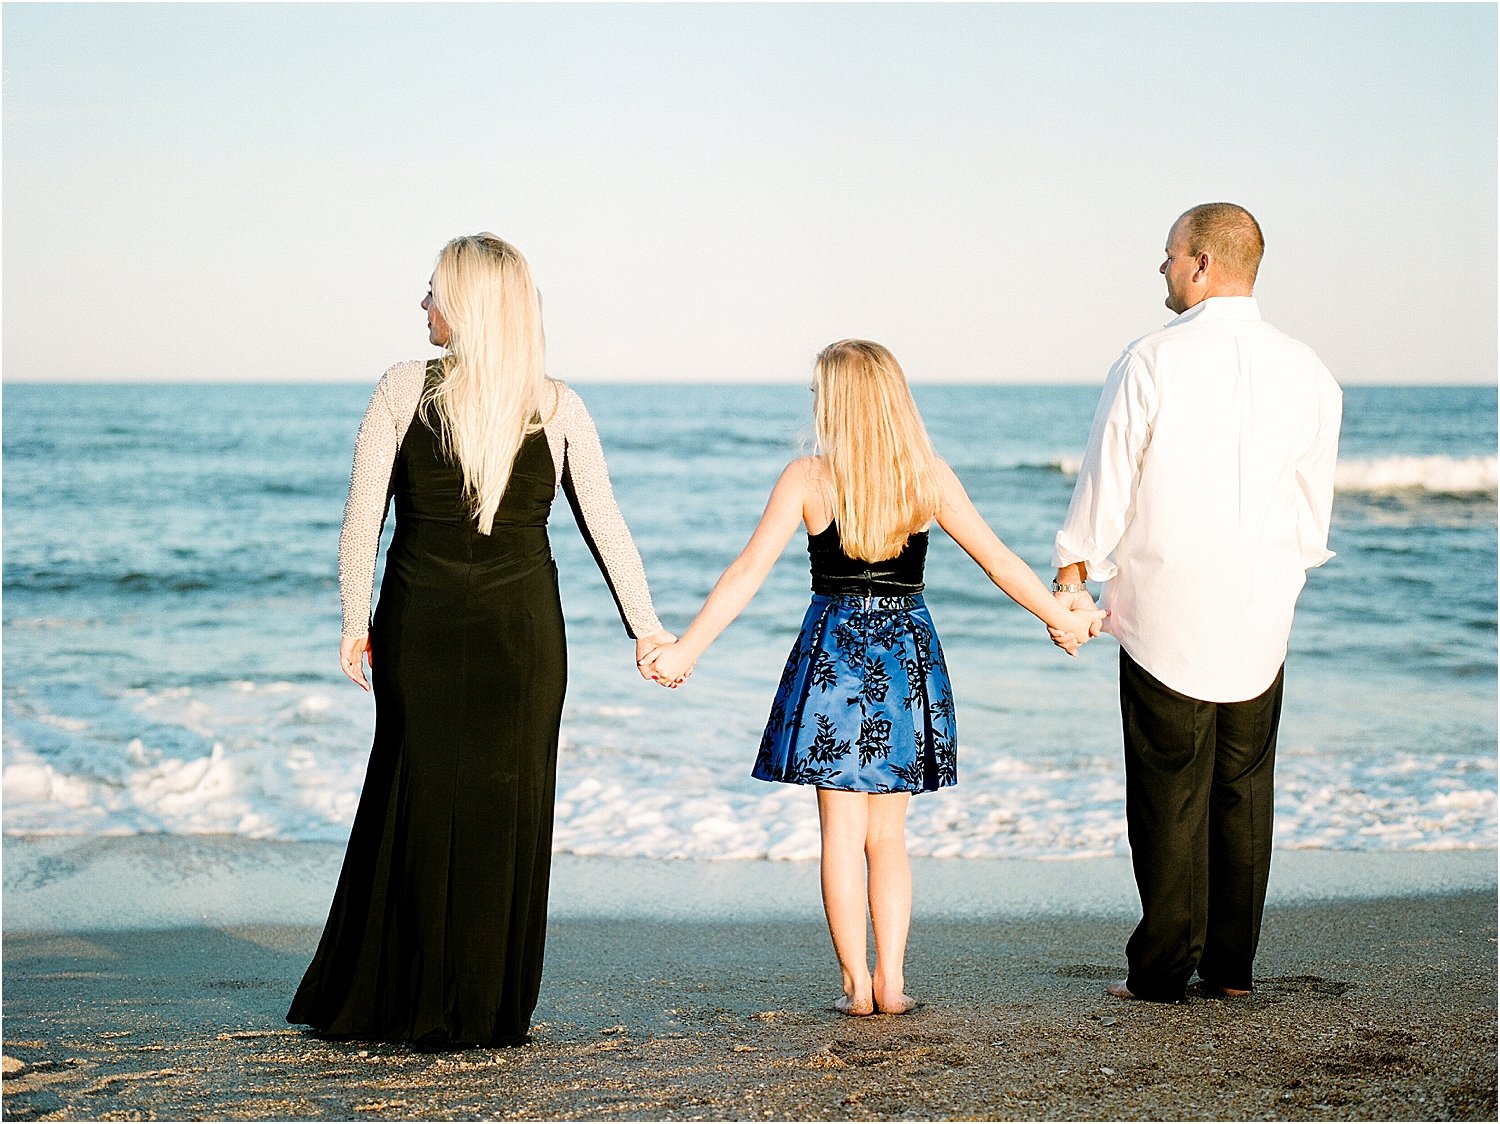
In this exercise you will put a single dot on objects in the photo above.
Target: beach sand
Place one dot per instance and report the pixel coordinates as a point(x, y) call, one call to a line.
point(1365, 1008)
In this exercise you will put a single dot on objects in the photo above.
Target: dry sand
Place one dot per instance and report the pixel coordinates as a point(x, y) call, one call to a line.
point(1375, 1009)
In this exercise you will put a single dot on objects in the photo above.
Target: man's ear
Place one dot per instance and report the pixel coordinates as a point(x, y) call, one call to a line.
point(1201, 273)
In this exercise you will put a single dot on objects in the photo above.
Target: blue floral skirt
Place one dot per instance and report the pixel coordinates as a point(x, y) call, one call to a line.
point(864, 702)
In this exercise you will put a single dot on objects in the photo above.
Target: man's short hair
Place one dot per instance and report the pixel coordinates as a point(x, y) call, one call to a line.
point(1231, 236)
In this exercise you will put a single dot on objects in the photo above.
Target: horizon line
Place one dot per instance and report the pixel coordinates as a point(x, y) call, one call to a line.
point(129, 381)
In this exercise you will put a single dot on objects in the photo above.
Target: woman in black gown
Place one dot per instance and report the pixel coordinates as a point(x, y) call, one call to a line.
point(437, 927)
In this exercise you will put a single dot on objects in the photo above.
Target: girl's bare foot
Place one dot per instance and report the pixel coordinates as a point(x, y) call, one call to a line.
point(844, 1005)
point(889, 992)
point(856, 999)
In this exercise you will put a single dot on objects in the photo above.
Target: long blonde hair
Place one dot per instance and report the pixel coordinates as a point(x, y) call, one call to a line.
point(877, 457)
point(494, 378)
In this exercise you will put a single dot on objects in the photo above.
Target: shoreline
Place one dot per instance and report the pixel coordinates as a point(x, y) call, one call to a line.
point(61, 883)
point(703, 990)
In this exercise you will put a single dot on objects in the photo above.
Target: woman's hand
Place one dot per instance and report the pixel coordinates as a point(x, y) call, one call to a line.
point(353, 652)
point(669, 665)
point(645, 646)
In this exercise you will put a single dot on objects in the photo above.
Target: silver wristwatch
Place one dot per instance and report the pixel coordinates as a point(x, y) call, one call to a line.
point(1069, 587)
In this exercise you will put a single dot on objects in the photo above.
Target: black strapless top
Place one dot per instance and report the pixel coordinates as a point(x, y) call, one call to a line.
point(834, 572)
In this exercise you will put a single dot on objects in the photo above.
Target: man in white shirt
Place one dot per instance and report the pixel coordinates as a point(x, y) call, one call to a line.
point(1202, 501)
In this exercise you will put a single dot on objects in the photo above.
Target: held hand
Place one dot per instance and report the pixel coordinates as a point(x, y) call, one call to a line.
point(353, 652)
point(1063, 640)
point(645, 647)
point(1083, 625)
point(670, 666)
point(1080, 600)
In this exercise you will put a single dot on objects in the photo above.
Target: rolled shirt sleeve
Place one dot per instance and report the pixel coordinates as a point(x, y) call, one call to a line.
point(1105, 491)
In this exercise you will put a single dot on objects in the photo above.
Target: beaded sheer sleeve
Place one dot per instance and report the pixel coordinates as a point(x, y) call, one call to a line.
point(577, 457)
point(390, 411)
point(584, 477)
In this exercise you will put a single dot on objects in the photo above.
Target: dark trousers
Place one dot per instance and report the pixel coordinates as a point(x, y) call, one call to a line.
point(1198, 809)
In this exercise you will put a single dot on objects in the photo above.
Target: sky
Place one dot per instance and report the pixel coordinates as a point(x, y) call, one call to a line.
point(713, 192)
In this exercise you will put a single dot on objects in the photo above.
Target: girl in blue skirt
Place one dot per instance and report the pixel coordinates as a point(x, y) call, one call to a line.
point(864, 712)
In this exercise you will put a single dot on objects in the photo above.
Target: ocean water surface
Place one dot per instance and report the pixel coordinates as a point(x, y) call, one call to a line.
point(171, 627)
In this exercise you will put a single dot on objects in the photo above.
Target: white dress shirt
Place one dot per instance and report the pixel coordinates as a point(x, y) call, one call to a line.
point(1205, 496)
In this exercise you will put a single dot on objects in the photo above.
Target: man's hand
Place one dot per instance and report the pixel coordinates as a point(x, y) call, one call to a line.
point(1084, 626)
point(1080, 601)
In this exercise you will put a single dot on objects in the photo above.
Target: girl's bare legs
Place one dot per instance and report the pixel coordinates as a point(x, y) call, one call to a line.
point(844, 817)
point(890, 897)
point(867, 831)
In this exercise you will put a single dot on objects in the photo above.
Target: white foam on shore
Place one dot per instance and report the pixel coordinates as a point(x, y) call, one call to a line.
point(277, 761)
point(259, 761)
point(1025, 809)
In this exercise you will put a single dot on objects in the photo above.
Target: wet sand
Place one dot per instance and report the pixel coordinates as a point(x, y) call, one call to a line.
point(1369, 1009)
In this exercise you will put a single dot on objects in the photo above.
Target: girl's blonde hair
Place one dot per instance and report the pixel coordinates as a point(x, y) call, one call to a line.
point(494, 378)
point(878, 458)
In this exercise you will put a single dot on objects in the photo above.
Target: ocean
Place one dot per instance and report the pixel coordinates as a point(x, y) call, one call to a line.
point(171, 625)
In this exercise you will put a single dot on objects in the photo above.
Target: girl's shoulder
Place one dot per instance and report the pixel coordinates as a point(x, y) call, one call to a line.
point(811, 465)
point(810, 477)
point(807, 470)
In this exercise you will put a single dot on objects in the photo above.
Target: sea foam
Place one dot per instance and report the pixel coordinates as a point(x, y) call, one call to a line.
point(279, 762)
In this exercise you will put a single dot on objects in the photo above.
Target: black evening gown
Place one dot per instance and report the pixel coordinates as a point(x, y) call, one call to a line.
point(436, 931)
